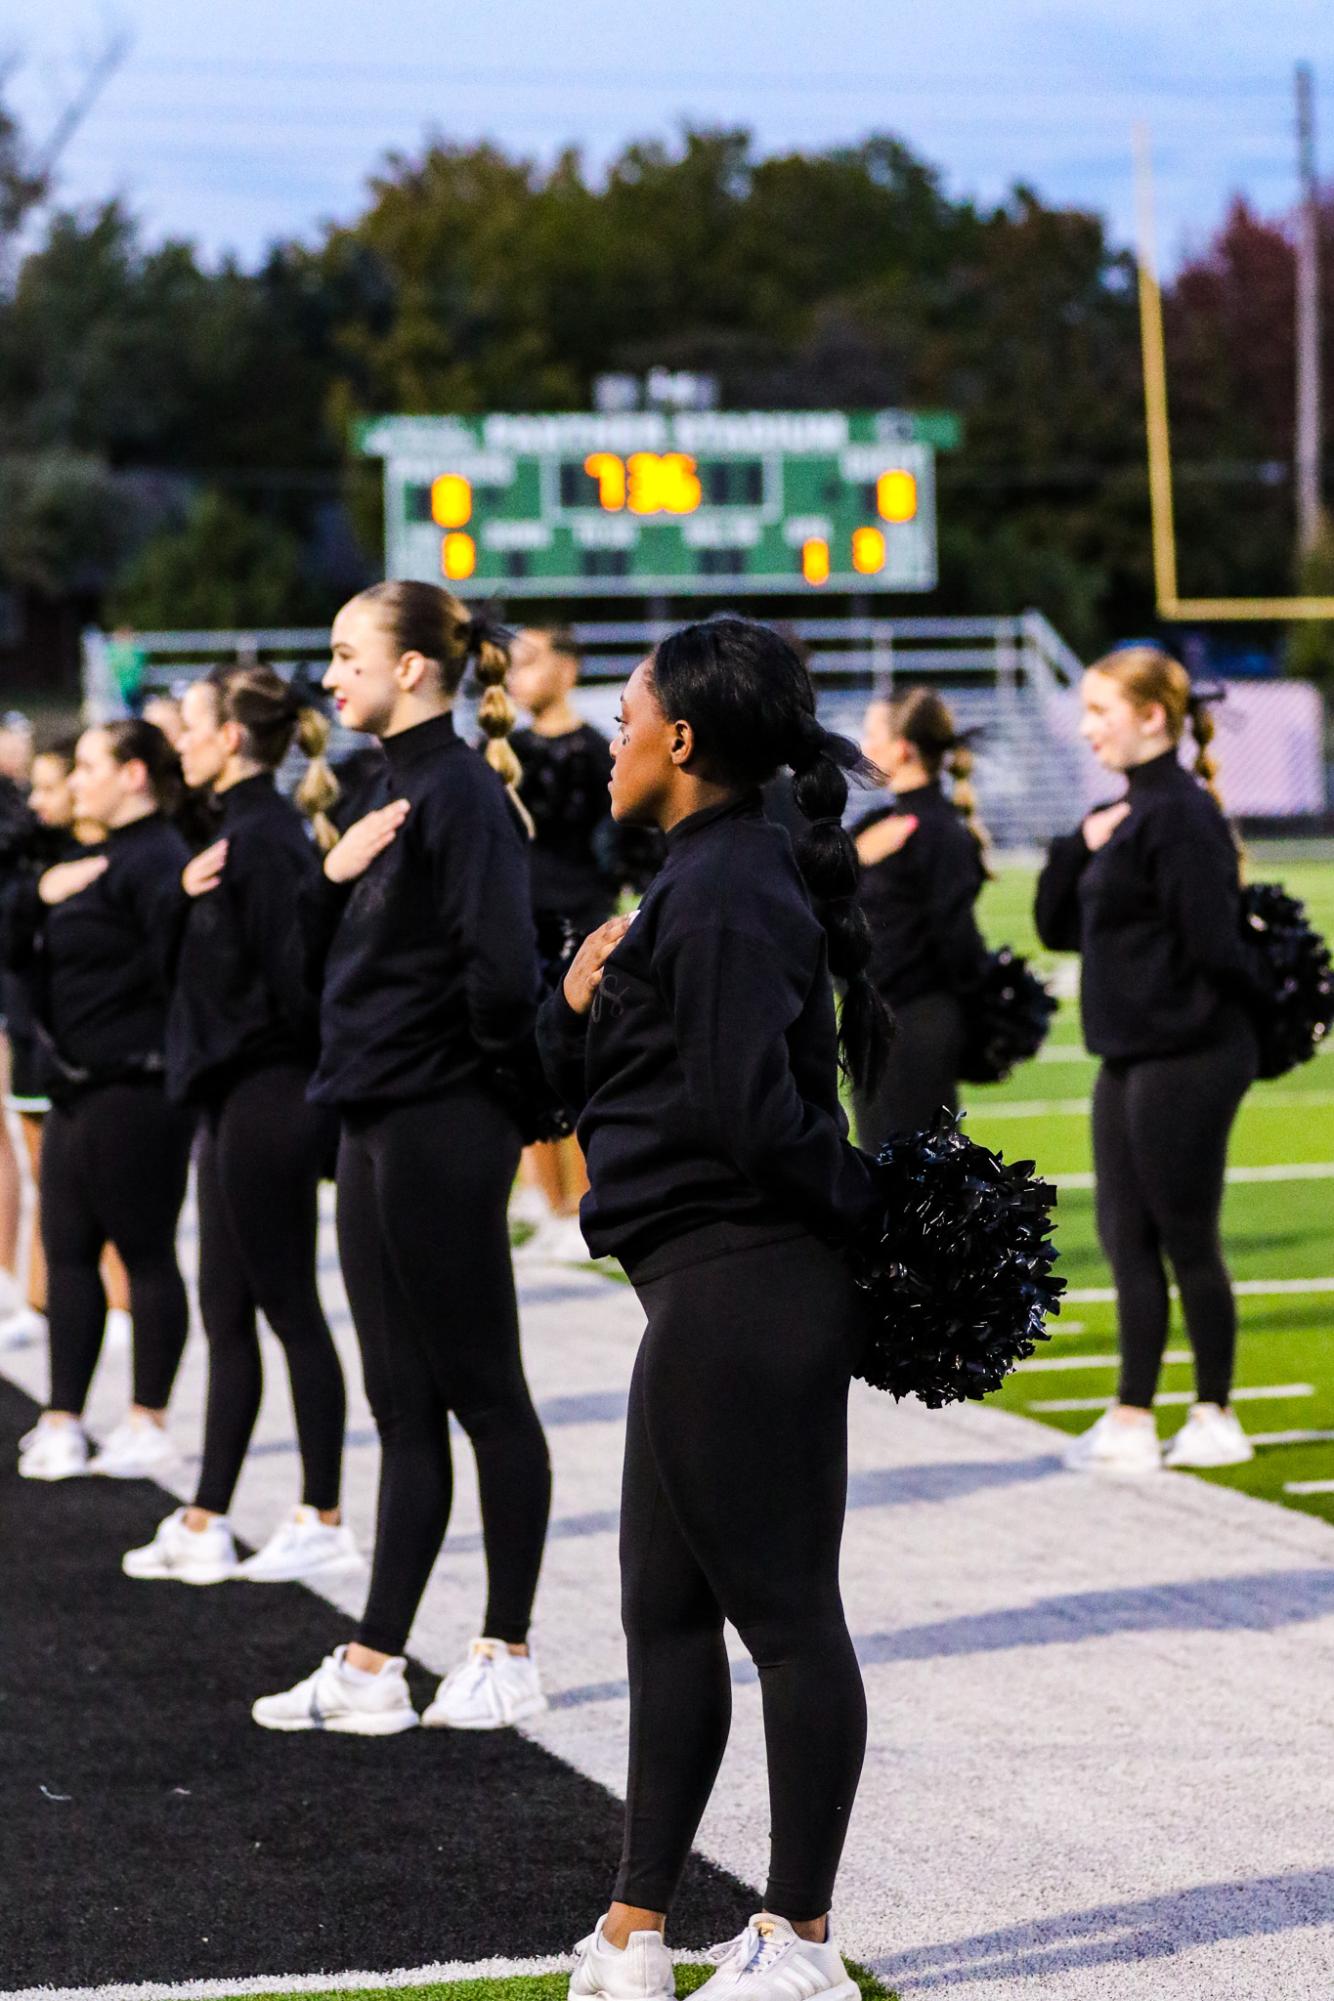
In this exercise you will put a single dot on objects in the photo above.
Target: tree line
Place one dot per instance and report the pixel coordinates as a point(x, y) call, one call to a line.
point(174, 436)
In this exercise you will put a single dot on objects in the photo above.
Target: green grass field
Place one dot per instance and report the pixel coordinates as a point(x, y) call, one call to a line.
point(1277, 1230)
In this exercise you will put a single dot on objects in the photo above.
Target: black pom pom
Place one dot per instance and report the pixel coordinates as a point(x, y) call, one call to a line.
point(1295, 965)
point(957, 1269)
point(1006, 1019)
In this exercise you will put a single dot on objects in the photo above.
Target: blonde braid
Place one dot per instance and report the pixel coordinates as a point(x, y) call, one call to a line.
point(318, 791)
point(965, 801)
point(496, 713)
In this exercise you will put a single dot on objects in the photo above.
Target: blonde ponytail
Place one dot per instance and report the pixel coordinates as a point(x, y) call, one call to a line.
point(496, 713)
point(318, 791)
point(960, 768)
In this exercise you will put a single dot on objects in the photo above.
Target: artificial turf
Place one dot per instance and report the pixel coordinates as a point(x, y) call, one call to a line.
point(152, 1832)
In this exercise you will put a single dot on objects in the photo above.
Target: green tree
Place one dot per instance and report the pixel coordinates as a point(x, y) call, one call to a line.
point(222, 568)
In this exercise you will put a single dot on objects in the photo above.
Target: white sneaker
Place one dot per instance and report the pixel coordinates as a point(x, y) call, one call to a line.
point(53, 1451)
point(491, 1690)
point(303, 1546)
point(640, 1970)
point(118, 1332)
point(1211, 1436)
point(340, 1698)
point(23, 1328)
point(191, 1556)
point(768, 1962)
point(137, 1449)
point(1116, 1445)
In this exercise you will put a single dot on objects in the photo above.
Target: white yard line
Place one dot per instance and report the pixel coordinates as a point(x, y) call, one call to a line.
point(1069, 1108)
point(1291, 1437)
point(1059, 1363)
point(1251, 1393)
point(1308, 1486)
point(1245, 1288)
point(1302, 1170)
point(445, 1973)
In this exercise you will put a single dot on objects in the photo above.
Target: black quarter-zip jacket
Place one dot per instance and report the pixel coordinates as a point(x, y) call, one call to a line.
point(431, 970)
point(1156, 913)
point(241, 997)
point(705, 1075)
point(101, 962)
point(920, 902)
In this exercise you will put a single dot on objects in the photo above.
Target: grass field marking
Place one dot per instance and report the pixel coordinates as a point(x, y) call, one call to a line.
point(1059, 1363)
point(1252, 1393)
point(1300, 1170)
point(1245, 1288)
point(447, 1973)
point(1291, 1437)
point(1069, 1108)
point(1308, 1486)
point(1075, 1052)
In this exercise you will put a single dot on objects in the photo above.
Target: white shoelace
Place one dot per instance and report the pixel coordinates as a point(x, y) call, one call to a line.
point(753, 1949)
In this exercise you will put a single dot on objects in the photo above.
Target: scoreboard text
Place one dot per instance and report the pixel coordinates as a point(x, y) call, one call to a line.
point(660, 503)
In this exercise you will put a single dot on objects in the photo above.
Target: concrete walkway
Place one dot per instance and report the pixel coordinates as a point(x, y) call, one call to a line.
point(1102, 1713)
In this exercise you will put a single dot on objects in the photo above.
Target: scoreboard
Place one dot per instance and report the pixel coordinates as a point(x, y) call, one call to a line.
point(661, 503)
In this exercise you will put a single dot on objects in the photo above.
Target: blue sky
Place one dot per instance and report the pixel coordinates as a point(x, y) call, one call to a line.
point(237, 122)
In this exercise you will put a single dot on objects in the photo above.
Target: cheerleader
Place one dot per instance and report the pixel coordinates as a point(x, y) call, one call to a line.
point(100, 932)
point(566, 767)
point(699, 1041)
point(430, 979)
point(1147, 890)
point(242, 1039)
point(923, 866)
point(53, 836)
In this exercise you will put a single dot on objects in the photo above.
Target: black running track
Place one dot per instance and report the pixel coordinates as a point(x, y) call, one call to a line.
point(149, 1830)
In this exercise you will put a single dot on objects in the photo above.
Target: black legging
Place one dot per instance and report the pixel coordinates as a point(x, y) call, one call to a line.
point(1160, 1134)
point(424, 1244)
point(260, 1157)
point(921, 1074)
point(735, 1488)
point(114, 1166)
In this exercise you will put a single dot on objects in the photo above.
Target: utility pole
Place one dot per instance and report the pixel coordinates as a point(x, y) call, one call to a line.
point(1309, 417)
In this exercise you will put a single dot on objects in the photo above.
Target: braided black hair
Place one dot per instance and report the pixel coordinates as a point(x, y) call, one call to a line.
point(751, 707)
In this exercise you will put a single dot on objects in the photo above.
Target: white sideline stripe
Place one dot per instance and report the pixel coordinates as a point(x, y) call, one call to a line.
point(1061, 1362)
point(1250, 1395)
point(305, 1983)
point(1291, 1437)
point(1245, 1288)
point(1057, 1108)
point(1302, 1170)
point(1075, 1052)
point(1308, 1486)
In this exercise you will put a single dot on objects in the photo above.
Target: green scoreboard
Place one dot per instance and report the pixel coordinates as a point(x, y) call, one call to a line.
point(662, 503)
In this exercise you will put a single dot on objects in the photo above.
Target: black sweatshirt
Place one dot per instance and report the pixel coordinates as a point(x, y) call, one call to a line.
point(102, 960)
point(241, 998)
point(705, 1073)
point(1156, 913)
point(919, 903)
point(431, 967)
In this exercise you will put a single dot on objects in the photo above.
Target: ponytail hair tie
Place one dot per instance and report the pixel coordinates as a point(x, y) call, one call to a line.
point(810, 746)
point(1204, 694)
point(481, 629)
